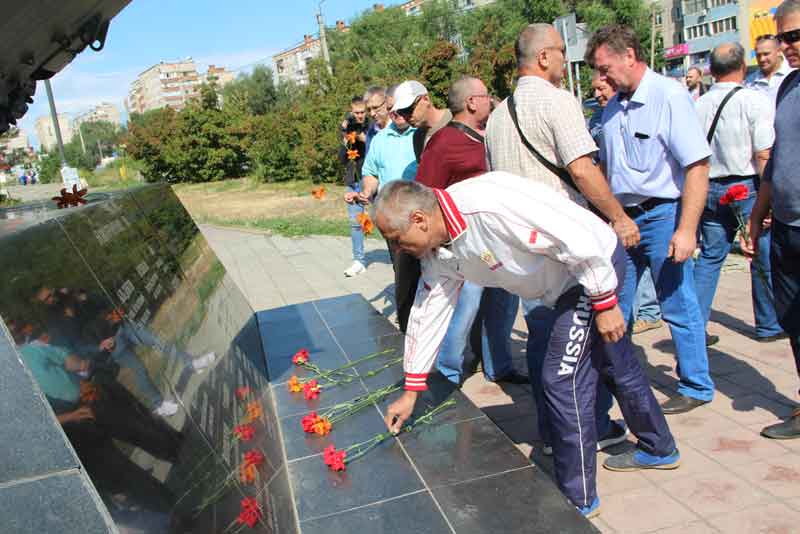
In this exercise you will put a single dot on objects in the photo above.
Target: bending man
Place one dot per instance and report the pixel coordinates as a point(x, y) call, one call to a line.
point(500, 230)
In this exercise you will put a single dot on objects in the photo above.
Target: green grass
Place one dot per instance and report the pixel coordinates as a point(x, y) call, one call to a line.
point(295, 187)
point(290, 226)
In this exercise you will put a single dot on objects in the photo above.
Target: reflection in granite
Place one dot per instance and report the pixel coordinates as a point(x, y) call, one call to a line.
point(525, 500)
point(121, 308)
point(30, 439)
point(415, 513)
point(57, 504)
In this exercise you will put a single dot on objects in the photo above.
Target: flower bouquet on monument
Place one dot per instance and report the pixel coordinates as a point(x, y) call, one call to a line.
point(320, 379)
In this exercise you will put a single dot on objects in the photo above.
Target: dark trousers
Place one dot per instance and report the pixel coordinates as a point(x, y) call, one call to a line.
point(407, 271)
point(785, 260)
point(576, 357)
point(118, 415)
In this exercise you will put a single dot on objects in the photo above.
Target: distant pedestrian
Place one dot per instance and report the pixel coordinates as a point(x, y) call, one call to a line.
point(694, 82)
point(351, 154)
point(741, 141)
point(772, 67)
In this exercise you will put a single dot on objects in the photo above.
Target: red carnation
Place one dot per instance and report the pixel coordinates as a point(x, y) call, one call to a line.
point(242, 393)
point(308, 422)
point(735, 193)
point(300, 357)
point(334, 459)
point(249, 512)
point(244, 432)
point(254, 457)
point(311, 390)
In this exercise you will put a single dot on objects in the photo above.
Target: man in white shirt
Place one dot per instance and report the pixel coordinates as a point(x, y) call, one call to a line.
point(772, 67)
point(740, 148)
point(501, 230)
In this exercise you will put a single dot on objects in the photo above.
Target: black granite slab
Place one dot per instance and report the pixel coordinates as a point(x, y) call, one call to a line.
point(415, 513)
point(57, 504)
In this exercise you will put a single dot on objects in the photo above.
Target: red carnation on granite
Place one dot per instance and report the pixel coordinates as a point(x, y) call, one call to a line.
point(244, 432)
point(334, 459)
point(242, 393)
point(300, 357)
point(249, 512)
point(311, 390)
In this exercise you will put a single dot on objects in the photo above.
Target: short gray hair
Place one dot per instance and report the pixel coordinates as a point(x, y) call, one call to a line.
point(727, 58)
point(399, 199)
point(531, 41)
point(374, 90)
point(458, 94)
point(787, 7)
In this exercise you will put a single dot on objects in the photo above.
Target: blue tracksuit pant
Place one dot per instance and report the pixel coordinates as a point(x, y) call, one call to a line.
point(576, 358)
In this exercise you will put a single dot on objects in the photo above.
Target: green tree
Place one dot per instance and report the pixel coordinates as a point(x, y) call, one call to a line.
point(255, 92)
point(49, 167)
point(147, 139)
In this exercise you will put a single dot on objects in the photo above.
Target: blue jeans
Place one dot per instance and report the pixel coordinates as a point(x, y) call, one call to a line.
point(718, 227)
point(499, 310)
point(540, 320)
point(677, 296)
point(451, 352)
point(356, 235)
point(645, 307)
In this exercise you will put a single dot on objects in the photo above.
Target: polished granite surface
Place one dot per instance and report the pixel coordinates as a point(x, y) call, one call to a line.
point(459, 474)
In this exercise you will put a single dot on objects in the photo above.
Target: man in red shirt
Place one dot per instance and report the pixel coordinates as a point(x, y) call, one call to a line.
point(454, 153)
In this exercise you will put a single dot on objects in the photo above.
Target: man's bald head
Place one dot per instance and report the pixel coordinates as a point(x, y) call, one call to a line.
point(727, 59)
point(533, 39)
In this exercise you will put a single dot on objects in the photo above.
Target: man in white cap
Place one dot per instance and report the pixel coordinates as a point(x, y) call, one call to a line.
point(413, 103)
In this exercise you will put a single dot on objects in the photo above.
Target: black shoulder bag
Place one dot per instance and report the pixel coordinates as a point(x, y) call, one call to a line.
point(558, 171)
point(469, 132)
point(725, 100)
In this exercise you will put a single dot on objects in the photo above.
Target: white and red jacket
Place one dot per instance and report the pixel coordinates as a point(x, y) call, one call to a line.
point(508, 232)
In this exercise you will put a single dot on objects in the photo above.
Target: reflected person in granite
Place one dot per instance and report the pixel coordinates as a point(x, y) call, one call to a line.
point(120, 336)
point(94, 415)
point(501, 230)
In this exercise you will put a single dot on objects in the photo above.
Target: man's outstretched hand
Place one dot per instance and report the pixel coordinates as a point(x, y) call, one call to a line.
point(399, 411)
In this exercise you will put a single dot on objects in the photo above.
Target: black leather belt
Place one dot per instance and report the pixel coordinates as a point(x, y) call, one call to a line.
point(734, 178)
point(647, 205)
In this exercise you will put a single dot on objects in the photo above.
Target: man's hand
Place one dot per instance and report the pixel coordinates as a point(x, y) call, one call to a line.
point(681, 246)
point(399, 411)
point(350, 197)
point(627, 231)
point(107, 344)
point(364, 197)
point(610, 324)
point(362, 137)
point(81, 414)
point(753, 231)
point(73, 364)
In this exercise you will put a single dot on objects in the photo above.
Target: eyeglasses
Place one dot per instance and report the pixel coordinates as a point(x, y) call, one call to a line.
point(376, 108)
point(790, 37)
point(562, 49)
point(407, 112)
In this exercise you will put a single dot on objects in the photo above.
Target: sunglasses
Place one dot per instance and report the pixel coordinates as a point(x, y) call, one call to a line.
point(407, 112)
point(790, 37)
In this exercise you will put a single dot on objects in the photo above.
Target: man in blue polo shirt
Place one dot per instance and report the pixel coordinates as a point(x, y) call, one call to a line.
point(391, 157)
point(657, 160)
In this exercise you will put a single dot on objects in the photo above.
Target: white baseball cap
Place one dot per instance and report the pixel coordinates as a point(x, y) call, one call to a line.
point(406, 93)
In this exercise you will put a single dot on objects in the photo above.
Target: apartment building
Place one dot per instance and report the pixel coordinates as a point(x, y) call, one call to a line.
point(104, 111)
point(292, 65)
point(45, 131)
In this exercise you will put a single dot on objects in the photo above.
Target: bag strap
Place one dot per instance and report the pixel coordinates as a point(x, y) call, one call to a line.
point(558, 171)
point(418, 142)
point(469, 132)
point(713, 129)
point(785, 86)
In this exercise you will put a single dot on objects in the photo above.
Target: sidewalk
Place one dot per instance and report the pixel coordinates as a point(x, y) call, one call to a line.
point(731, 480)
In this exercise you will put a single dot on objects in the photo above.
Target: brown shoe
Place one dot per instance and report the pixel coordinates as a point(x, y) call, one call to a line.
point(640, 325)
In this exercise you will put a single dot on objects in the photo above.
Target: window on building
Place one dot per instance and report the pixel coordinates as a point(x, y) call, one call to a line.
point(694, 7)
point(696, 32)
point(718, 3)
point(659, 18)
point(677, 14)
point(724, 25)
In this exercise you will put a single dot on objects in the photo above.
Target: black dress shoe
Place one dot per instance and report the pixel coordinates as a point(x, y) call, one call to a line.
point(681, 404)
point(789, 429)
point(711, 339)
point(776, 337)
point(514, 377)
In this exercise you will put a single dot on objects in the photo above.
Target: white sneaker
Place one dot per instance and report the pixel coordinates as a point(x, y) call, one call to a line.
point(355, 269)
point(166, 409)
point(203, 361)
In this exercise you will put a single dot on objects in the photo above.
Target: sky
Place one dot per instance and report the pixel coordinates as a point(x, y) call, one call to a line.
point(234, 34)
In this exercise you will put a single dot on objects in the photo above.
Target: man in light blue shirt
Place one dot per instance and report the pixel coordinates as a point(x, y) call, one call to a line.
point(391, 157)
point(772, 67)
point(656, 157)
